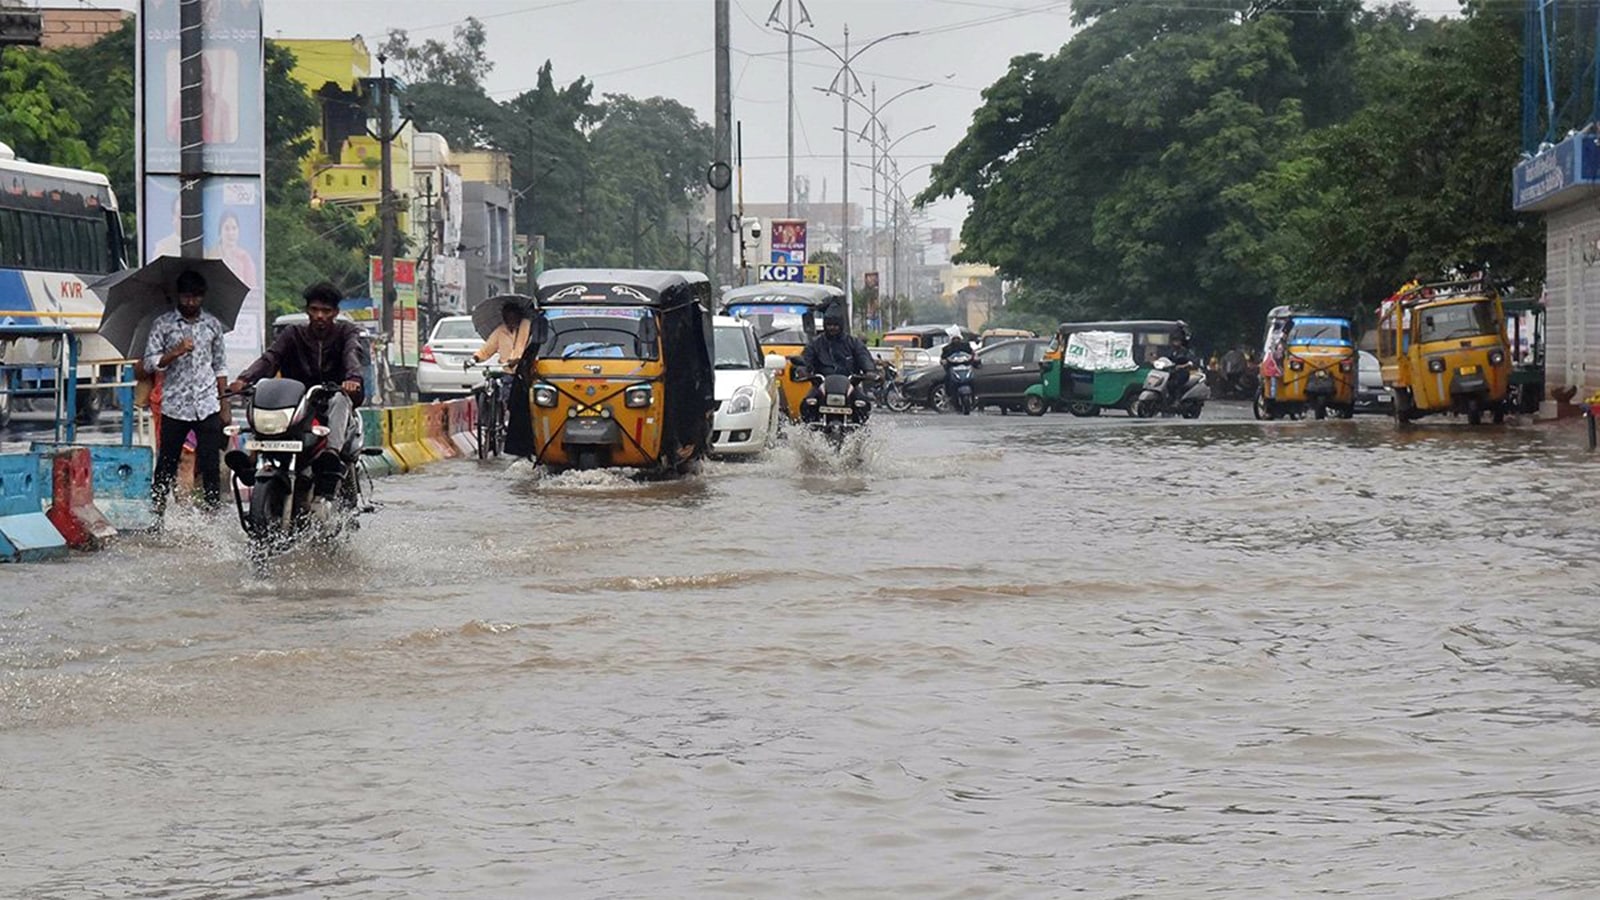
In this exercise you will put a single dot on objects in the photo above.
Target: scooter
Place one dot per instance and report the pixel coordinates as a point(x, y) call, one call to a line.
point(274, 475)
point(1154, 399)
point(958, 369)
point(841, 409)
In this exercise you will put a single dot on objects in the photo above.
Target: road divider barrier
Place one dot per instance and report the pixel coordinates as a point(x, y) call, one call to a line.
point(121, 478)
point(375, 435)
point(405, 423)
point(463, 421)
point(73, 511)
point(26, 533)
point(436, 431)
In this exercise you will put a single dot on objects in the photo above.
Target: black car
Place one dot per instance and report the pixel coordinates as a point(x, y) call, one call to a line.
point(1006, 369)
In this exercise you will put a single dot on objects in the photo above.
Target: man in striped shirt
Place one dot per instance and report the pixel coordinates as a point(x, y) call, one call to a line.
point(186, 346)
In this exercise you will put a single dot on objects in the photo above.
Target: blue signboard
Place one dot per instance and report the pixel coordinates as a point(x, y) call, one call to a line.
point(1558, 175)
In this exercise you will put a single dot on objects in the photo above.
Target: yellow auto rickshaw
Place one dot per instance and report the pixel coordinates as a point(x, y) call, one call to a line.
point(623, 371)
point(1442, 348)
point(1309, 363)
point(786, 316)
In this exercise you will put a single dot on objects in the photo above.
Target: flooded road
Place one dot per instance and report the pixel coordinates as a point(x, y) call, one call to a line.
point(999, 657)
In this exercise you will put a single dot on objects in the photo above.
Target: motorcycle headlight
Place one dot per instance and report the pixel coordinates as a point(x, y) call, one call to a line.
point(1496, 357)
point(544, 395)
point(270, 421)
point(638, 396)
point(1436, 365)
point(743, 400)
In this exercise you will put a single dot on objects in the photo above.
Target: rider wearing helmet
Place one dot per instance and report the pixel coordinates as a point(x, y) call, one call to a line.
point(834, 352)
point(957, 344)
point(1182, 362)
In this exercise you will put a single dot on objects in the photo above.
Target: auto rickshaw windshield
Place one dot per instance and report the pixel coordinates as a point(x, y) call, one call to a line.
point(1457, 320)
point(775, 323)
point(1320, 331)
point(582, 332)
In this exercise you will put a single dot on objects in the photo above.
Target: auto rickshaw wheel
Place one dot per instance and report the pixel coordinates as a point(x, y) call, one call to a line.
point(1033, 405)
point(1319, 409)
point(586, 459)
point(1083, 410)
point(1500, 414)
point(1474, 411)
point(1262, 410)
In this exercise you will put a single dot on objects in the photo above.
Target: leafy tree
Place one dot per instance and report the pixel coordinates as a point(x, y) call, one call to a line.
point(42, 110)
point(104, 70)
point(462, 63)
point(833, 263)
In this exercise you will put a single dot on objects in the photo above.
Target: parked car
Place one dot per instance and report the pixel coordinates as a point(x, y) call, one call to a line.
point(439, 371)
point(1006, 369)
point(911, 358)
point(1371, 393)
point(746, 420)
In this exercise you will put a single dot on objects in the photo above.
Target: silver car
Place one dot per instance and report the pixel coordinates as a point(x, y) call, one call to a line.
point(439, 367)
point(1372, 395)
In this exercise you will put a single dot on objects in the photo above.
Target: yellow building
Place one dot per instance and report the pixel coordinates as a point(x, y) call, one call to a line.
point(344, 167)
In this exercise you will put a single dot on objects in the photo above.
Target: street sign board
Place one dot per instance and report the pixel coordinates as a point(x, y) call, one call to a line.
point(811, 274)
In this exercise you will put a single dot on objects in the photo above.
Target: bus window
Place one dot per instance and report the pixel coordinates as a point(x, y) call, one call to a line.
point(10, 238)
point(31, 240)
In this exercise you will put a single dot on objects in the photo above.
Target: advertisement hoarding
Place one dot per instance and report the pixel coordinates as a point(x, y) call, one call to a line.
point(403, 352)
point(789, 241)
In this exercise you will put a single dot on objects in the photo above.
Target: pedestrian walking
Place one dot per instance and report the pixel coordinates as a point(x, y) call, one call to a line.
point(186, 346)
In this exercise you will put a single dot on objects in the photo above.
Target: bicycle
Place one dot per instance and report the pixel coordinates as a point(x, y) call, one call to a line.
point(491, 424)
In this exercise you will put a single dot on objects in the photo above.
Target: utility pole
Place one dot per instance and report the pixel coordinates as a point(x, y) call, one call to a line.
point(387, 132)
point(805, 19)
point(191, 153)
point(433, 281)
point(721, 172)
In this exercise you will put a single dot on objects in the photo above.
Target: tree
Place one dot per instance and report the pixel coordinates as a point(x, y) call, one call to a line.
point(42, 110)
point(106, 125)
point(462, 63)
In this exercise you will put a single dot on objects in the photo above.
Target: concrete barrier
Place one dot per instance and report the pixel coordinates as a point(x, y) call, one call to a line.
point(436, 431)
point(26, 534)
point(121, 478)
point(463, 434)
point(373, 424)
point(406, 422)
point(73, 511)
point(391, 431)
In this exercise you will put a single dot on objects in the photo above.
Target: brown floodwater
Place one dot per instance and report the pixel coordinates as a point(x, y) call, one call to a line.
point(986, 656)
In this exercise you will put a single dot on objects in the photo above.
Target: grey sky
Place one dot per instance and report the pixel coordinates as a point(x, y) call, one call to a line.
point(664, 47)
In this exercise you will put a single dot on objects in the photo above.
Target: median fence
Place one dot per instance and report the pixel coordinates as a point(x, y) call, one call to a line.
point(57, 497)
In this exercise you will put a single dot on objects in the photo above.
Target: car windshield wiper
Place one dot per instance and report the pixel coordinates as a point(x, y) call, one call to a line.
point(586, 347)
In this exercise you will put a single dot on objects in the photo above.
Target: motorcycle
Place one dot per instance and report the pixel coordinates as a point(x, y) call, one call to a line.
point(958, 369)
point(839, 410)
point(1155, 399)
point(274, 475)
point(889, 392)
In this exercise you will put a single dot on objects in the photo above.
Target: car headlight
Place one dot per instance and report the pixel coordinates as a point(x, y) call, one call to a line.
point(1436, 365)
point(544, 395)
point(743, 400)
point(638, 396)
point(1496, 357)
point(270, 421)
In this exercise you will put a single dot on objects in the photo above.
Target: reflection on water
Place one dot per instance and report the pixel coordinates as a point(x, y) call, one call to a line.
point(976, 656)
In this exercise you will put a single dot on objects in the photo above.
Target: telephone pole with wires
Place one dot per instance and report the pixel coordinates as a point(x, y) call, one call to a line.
point(788, 30)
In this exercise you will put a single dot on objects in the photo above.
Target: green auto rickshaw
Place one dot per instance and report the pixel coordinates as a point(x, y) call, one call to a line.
point(1091, 366)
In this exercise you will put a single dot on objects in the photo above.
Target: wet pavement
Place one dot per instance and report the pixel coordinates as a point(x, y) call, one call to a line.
point(985, 656)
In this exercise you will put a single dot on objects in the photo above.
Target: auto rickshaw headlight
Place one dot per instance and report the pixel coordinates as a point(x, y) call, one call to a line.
point(1297, 364)
point(1496, 357)
point(605, 412)
point(1345, 365)
point(544, 395)
point(638, 396)
point(1435, 365)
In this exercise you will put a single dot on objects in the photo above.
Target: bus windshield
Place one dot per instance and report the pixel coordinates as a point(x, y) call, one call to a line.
point(1457, 320)
point(591, 332)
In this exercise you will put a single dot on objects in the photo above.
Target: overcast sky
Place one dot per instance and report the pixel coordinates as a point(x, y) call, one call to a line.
point(664, 47)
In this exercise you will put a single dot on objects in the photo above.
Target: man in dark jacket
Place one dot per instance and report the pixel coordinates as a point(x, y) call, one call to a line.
point(833, 352)
point(323, 350)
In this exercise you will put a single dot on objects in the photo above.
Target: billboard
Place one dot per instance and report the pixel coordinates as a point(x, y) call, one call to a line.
point(789, 241)
point(403, 352)
point(232, 131)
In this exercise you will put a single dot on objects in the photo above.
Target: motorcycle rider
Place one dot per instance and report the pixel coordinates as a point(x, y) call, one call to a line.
point(956, 344)
point(833, 352)
point(321, 351)
point(1182, 363)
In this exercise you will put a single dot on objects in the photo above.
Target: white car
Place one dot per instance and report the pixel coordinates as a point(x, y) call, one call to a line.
point(1371, 393)
point(746, 420)
point(439, 371)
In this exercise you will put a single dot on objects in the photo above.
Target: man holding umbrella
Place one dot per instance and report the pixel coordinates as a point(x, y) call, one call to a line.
point(186, 345)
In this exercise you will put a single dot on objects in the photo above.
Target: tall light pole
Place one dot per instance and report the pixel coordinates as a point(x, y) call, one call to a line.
point(894, 191)
point(385, 135)
point(878, 132)
point(805, 19)
point(845, 83)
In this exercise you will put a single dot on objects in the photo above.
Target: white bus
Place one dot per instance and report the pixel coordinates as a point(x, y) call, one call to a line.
point(59, 232)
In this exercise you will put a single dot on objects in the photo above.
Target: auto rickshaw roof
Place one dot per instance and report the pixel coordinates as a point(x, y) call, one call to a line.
point(1448, 292)
point(1290, 312)
point(816, 296)
point(648, 286)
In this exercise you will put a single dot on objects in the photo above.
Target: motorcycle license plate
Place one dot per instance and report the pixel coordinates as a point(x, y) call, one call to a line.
point(275, 446)
point(835, 411)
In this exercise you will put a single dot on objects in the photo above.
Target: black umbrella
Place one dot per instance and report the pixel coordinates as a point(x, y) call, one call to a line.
point(488, 314)
point(134, 297)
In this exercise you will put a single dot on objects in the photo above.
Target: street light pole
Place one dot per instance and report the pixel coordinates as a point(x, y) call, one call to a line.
point(850, 84)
